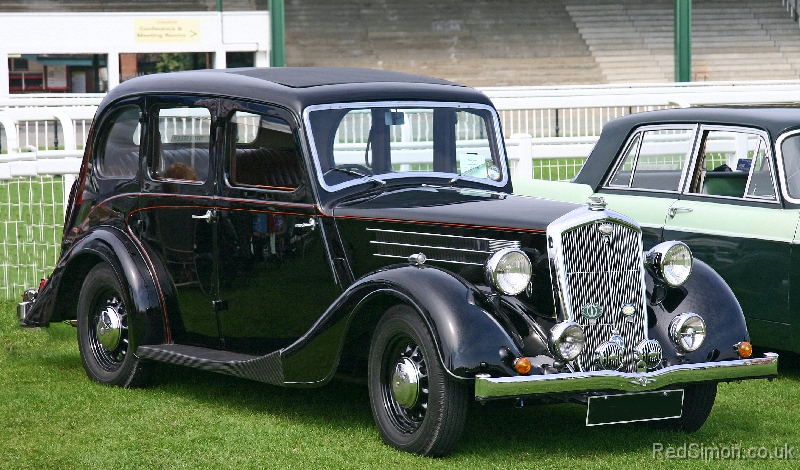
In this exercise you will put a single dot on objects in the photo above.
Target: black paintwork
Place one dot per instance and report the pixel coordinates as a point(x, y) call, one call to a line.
point(284, 285)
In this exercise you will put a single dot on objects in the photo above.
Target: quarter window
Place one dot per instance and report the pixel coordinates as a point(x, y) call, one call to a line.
point(790, 150)
point(182, 143)
point(118, 156)
point(262, 152)
point(733, 164)
point(654, 159)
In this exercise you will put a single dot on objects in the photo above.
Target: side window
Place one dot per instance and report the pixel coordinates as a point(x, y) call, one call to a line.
point(118, 152)
point(182, 143)
point(733, 164)
point(654, 159)
point(262, 153)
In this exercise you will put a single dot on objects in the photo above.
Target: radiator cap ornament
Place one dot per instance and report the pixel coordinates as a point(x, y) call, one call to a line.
point(596, 203)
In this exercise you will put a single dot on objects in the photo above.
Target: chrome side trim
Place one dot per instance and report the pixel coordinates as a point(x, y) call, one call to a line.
point(723, 371)
point(780, 164)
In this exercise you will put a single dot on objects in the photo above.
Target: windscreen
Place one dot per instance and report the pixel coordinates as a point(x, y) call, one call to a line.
point(384, 141)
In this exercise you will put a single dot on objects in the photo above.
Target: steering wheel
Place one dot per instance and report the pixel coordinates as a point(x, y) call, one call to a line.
point(350, 167)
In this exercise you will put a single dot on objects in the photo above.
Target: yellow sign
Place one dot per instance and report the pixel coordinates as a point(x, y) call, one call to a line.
point(167, 29)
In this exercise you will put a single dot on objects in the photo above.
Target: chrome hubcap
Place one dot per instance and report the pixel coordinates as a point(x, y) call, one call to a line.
point(109, 326)
point(405, 383)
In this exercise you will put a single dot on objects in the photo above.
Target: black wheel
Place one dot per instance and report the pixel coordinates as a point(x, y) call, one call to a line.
point(103, 331)
point(417, 405)
point(698, 399)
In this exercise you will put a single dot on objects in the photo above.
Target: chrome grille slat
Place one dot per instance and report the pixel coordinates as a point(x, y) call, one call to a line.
point(436, 247)
point(609, 274)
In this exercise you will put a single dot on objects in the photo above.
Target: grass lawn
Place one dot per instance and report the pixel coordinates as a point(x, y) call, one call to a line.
point(54, 417)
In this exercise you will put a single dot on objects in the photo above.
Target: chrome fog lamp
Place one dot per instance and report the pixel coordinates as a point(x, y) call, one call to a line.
point(670, 262)
point(508, 271)
point(567, 340)
point(648, 354)
point(687, 331)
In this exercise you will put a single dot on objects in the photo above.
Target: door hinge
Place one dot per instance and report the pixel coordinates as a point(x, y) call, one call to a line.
point(219, 305)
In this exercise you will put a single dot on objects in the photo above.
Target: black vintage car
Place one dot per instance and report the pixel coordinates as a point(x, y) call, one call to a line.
point(284, 225)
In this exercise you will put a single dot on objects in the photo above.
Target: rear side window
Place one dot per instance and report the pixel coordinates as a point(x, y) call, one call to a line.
point(182, 143)
point(733, 163)
point(654, 159)
point(118, 155)
point(262, 153)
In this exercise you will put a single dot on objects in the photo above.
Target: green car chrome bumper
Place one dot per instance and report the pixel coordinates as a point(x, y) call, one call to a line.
point(723, 371)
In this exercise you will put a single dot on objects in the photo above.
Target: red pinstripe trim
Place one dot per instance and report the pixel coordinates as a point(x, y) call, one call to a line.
point(443, 224)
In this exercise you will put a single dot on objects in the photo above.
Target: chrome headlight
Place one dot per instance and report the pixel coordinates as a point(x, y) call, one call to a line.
point(687, 331)
point(670, 262)
point(567, 340)
point(508, 270)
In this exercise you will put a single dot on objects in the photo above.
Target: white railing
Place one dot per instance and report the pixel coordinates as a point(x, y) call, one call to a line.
point(44, 133)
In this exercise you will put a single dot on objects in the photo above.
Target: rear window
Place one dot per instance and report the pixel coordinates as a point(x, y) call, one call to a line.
point(118, 155)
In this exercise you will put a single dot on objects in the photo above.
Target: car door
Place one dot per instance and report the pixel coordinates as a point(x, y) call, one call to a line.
point(275, 275)
point(731, 218)
point(648, 176)
point(177, 212)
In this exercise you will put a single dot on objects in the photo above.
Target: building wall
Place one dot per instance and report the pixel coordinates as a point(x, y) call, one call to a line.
point(113, 34)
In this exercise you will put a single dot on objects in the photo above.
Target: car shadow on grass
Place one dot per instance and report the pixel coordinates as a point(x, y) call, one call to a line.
point(498, 429)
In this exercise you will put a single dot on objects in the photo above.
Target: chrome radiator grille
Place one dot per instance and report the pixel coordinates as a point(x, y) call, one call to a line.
point(603, 271)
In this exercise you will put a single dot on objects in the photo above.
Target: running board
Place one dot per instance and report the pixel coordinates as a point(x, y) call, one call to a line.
point(268, 369)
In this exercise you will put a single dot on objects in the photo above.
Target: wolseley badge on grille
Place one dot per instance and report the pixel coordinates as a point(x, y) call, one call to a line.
point(591, 312)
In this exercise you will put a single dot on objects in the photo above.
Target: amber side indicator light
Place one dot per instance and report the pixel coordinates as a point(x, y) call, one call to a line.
point(744, 349)
point(522, 365)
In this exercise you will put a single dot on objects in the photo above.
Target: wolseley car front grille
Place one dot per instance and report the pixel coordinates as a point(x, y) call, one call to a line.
point(436, 247)
point(603, 270)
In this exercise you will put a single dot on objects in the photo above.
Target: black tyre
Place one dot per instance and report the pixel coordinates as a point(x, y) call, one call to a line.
point(417, 405)
point(698, 399)
point(697, 403)
point(103, 331)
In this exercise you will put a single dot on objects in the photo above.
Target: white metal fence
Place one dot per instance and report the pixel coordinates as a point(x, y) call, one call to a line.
point(549, 132)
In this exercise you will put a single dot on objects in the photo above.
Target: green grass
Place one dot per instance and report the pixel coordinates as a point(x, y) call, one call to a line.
point(53, 416)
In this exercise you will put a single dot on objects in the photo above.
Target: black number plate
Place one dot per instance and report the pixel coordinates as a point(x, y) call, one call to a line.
point(630, 407)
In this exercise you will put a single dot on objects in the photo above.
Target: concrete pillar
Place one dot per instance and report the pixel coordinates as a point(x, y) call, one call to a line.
point(220, 61)
point(4, 73)
point(112, 64)
point(261, 59)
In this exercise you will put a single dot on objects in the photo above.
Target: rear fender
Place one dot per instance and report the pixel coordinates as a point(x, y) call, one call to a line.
point(58, 300)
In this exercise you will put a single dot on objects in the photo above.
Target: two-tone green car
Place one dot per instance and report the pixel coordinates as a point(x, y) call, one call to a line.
point(725, 181)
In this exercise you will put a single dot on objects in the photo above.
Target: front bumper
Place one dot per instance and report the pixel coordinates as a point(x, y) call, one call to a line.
point(723, 371)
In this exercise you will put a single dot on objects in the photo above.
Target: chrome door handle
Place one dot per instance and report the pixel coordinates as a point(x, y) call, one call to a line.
point(674, 210)
point(310, 224)
point(207, 216)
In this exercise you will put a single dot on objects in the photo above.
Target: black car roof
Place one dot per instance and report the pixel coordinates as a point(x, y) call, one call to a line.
point(774, 120)
point(298, 87)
